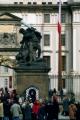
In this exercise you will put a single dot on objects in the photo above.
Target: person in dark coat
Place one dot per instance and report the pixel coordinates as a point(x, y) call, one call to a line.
point(55, 108)
point(27, 111)
point(49, 110)
point(72, 98)
point(42, 112)
point(61, 94)
point(54, 91)
point(6, 108)
point(78, 112)
point(52, 109)
point(66, 106)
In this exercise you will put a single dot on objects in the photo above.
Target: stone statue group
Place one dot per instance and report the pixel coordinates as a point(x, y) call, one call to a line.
point(30, 49)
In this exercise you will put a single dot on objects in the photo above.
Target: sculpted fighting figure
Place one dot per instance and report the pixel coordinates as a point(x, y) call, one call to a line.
point(30, 49)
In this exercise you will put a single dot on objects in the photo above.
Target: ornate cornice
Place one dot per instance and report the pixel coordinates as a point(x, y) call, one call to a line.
point(9, 49)
point(32, 7)
point(38, 7)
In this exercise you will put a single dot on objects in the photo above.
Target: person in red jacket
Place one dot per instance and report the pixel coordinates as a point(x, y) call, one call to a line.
point(35, 109)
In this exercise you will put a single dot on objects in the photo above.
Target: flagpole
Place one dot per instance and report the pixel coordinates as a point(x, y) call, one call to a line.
point(59, 64)
point(59, 49)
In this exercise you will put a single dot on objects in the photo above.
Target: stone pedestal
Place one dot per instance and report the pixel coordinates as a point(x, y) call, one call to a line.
point(34, 75)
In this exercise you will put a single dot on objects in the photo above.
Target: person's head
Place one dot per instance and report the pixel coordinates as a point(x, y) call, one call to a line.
point(27, 102)
point(22, 31)
point(54, 99)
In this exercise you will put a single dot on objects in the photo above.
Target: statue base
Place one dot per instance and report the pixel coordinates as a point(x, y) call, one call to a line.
point(33, 76)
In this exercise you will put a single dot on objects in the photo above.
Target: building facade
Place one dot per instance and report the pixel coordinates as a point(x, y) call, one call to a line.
point(43, 15)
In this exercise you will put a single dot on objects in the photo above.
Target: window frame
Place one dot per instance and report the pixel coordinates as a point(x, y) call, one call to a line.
point(63, 42)
point(63, 63)
point(63, 19)
point(46, 41)
point(45, 18)
point(47, 60)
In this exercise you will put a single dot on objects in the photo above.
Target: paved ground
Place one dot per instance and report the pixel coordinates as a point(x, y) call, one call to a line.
point(61, 117)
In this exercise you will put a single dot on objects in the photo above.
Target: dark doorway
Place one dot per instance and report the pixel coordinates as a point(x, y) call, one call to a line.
point(32, 94)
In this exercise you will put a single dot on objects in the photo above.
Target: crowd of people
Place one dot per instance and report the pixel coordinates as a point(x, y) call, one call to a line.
point(71, 108)
point(14, 108)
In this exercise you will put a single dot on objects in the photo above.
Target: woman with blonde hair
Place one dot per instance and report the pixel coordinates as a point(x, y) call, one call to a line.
point(72, 111)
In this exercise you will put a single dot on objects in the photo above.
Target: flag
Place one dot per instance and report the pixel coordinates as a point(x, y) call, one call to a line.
point(59, 18)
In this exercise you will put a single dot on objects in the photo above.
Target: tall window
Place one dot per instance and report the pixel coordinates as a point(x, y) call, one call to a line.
point(63, 18)
point(47, 60)
point(63, 39)
point(10, 81)
point(6, 82)
point(63, 63)
point(46, 40)
point(46, 18)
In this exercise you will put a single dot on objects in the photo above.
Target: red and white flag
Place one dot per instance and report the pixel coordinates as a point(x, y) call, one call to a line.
point(59, 18)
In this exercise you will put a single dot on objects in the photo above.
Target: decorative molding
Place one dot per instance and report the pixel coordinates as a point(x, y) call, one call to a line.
point(34, 88)
point(50, 51)
point(8, 38)
point(7, 16)
point(9, 49)
point(6, 61)
point(34, 7)
point(65, 51)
